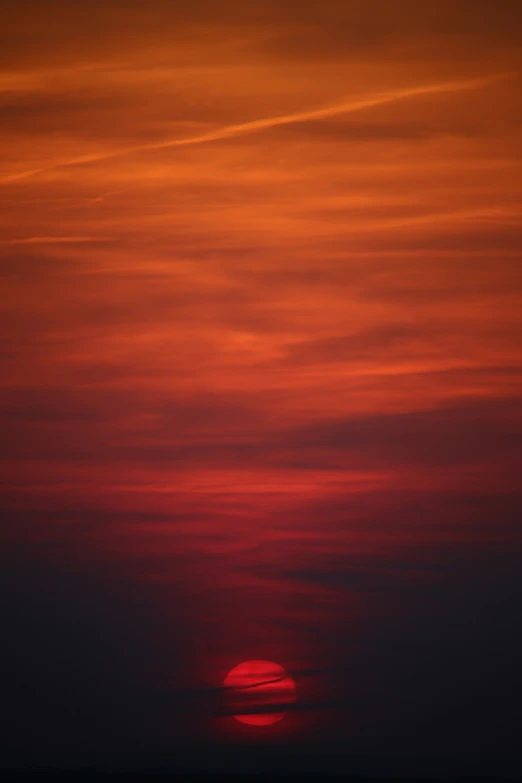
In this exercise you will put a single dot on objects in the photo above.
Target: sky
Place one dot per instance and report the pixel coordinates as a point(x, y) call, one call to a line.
point(261, 376)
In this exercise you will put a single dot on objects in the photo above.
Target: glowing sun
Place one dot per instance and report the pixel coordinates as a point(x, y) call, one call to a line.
point(253, 688)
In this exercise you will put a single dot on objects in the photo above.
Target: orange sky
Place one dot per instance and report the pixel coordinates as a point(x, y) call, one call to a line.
point(261, 289)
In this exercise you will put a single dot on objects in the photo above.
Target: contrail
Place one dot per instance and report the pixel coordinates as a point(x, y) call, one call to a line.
point(231, 131)
point(52, 240)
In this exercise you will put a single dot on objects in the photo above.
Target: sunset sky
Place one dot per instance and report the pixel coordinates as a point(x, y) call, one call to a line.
point(261, 376)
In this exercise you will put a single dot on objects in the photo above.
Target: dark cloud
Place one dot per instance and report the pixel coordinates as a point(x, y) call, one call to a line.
point(422, 640)
point(362, 345)
point(218, 429)
point(446, 436)
point(332, 30)
point(434, 653)
point(85, 647)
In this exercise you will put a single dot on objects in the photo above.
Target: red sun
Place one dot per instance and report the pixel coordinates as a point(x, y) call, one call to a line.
point(253, 688)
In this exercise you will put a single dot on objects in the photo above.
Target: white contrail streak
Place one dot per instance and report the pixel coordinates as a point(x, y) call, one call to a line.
point(231, 131)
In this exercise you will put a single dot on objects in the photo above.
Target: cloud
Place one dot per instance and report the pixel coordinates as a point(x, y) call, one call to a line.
point(80, 643)
point(254, 126)
point(57, 240)
point(467, 432)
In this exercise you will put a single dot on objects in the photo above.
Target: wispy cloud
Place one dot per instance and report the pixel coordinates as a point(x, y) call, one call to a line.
point(52, 240)
point(254, 126)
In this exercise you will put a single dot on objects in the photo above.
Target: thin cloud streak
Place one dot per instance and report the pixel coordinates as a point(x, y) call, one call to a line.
point(232, 131)
point(52, 240)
